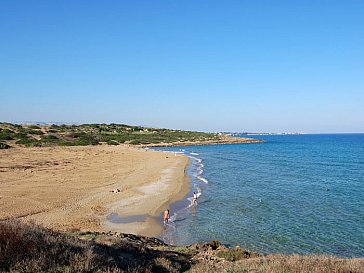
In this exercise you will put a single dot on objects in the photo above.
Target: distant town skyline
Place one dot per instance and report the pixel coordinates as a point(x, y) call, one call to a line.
point(253, 66)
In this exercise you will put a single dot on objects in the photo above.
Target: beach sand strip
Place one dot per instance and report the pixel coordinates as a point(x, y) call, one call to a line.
point(69, 188)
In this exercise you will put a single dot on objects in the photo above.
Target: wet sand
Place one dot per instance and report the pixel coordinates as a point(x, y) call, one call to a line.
point(68, 188)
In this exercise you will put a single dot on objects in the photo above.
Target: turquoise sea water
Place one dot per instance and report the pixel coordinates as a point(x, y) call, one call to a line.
point(292, 194)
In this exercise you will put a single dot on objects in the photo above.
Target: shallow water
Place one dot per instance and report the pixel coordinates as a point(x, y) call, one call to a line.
point(293, 194)
point(117, 219)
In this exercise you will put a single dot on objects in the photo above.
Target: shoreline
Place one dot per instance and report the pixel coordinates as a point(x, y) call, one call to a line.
point(224, 141)
point(68, 188)
point(171, 187)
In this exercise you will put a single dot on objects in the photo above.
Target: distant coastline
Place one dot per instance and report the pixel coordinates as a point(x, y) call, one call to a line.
point(26, 135)
point(234, 134)
point(224, 140)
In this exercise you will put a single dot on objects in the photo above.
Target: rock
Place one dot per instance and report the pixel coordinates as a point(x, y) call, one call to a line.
point(222, 248)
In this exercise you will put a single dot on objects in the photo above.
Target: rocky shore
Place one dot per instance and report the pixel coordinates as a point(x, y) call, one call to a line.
point(33, 248)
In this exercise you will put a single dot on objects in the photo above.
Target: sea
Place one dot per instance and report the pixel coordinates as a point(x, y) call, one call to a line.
point(301, 194)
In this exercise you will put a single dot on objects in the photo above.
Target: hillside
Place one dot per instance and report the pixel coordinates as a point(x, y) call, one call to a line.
point(32, 248)
point(12, 135)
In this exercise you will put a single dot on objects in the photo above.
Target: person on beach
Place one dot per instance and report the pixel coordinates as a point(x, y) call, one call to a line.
point(194, 198)
point(166, 216)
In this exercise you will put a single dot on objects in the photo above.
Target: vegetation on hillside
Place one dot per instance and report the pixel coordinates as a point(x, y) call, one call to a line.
point(93, 134)
point(32, 248)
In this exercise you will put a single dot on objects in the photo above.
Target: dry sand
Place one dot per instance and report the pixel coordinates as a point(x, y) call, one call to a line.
point(68, 188)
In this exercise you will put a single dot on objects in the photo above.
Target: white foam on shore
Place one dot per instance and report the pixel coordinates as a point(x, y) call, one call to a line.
point(197, 174)
point(202, 179)
point(185, 212)
point(171, 152)
point(195, 158)
point(199, 169)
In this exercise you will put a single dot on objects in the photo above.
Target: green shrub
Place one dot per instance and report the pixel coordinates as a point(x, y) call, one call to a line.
point(50, 137)
point(112, 142)
point(6, 134)
point(121, 140)
point(18, 126)
point(28, 142)
point(93, 134)
point(34, 127)
point(76, 134)
point(24, 141)
point(66, 143)
point(21, 136)
point(35, 132)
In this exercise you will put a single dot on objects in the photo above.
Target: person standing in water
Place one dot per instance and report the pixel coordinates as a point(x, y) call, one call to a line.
point(194, 198)
point(166, 216)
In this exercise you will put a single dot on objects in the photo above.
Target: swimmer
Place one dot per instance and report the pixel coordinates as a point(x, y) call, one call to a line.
point(166, 216)
point(194, 198)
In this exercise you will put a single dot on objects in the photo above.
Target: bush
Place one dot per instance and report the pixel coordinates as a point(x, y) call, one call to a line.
point(93, 134)
point(50, 138)
point(20, 136)
point(6, 134)
point(25, 141)
point(35, 132)
point(112, 142)
point(66, 143)
point(76, 134)
point(34, 127)
point(28, 142)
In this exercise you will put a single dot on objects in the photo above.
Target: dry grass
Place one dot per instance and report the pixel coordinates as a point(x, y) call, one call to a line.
point(236, 254)
point(32, 248)
point(285, 264)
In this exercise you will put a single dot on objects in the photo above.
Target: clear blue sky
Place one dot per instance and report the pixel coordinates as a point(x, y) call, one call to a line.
point(200, 65)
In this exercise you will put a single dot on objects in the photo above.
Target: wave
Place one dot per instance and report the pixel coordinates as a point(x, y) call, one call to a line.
point(199, 169)
point(202, 179)
point(199, 160)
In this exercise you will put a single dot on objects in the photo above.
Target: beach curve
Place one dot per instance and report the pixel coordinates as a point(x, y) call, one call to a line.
point(69, 188)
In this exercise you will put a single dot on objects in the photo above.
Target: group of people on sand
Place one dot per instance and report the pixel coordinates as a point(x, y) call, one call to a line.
point(166, 212)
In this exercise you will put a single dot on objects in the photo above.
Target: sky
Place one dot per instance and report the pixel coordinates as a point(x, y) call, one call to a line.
point(256, 66)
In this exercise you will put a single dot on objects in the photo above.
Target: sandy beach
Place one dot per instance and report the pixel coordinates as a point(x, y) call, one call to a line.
point(68, 188)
